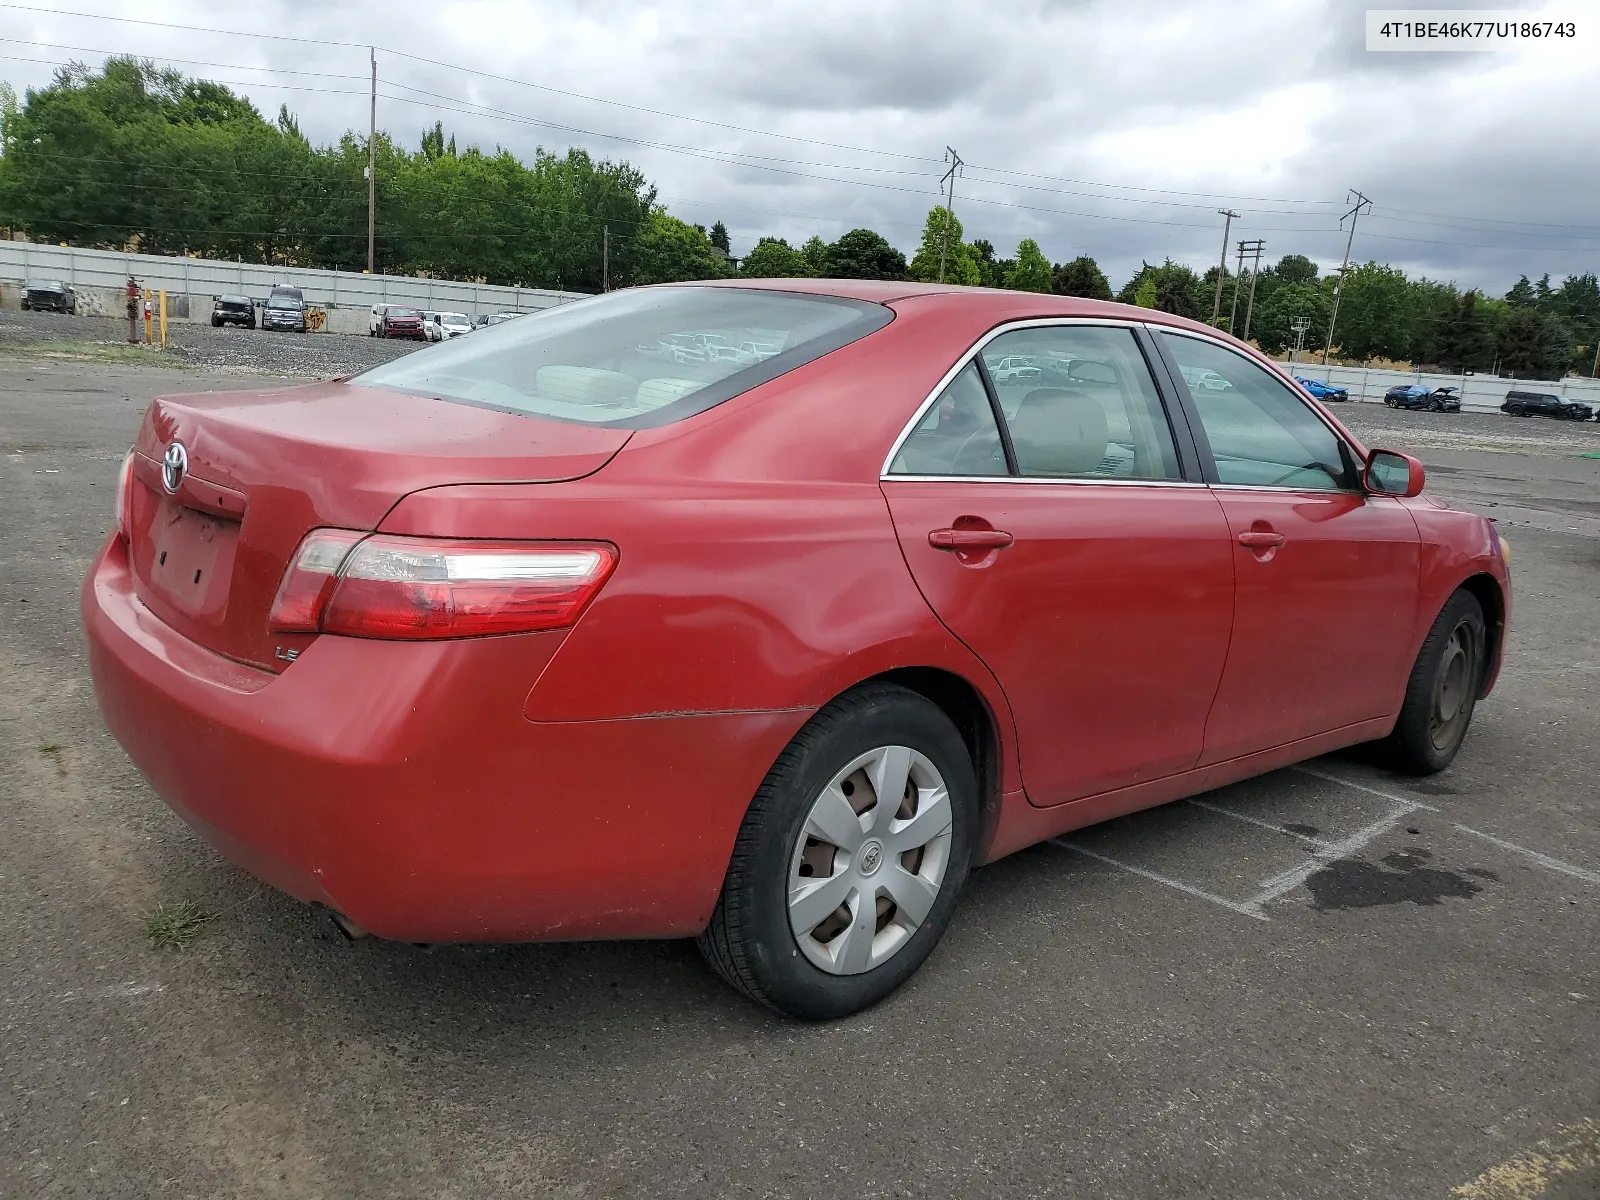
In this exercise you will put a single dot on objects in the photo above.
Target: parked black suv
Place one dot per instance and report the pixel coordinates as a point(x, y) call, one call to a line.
point(48, 295)
point(1545, 404)
point(233, 310)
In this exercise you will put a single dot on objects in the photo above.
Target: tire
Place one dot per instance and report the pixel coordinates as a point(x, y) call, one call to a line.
point(751, 939)
point(1446, 677)
point(216, 323)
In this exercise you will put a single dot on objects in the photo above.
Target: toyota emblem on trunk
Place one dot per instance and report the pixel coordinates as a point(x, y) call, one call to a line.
point(174, 466)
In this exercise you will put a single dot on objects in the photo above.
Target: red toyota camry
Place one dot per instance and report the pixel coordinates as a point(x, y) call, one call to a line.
point(762, 614)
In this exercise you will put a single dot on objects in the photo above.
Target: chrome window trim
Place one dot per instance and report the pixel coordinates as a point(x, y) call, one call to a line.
point(1284, 378)
point(1080, 480)
point(972, 352)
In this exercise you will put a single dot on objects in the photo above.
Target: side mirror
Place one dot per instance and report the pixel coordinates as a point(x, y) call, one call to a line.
point(1390, 473)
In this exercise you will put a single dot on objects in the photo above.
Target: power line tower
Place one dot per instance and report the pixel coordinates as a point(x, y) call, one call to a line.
point(1360, 203)
point(1253, 248)
point(1222, 265)
point(954, 159)
point(1298, 326)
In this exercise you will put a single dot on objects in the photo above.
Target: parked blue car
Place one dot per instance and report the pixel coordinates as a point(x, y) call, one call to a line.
point(1321, 389)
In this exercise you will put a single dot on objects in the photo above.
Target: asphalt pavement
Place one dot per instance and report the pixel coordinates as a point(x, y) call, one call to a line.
point(1329, 982)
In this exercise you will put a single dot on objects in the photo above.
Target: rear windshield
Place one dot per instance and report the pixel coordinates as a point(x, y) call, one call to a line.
point(636, 358)
point(46, 285)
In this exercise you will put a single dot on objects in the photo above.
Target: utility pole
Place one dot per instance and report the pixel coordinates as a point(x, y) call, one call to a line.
point(1299, 325)
point(956, 164)
point(1238, 272)
point(1594, 371)
point(1360, 203)
point(1222, 265)
point(1254, 248)
point(605, 258)
point(372, 164)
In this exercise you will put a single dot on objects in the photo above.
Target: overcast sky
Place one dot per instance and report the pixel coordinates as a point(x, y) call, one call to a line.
point(1114, 128)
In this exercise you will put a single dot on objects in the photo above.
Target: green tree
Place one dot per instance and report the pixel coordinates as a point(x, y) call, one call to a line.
point(1273, 323)
point(1174, 288)
point(1295, 268)
point(1032, 272)
point(1465, 341)
point(942, 244)
point(815, 251)
point(1374, 314)
point(672, 251)
point(862, 254)
point(719, 238)
point(774, 258)
point(1521, 293)
point(990, 272)
point(1535, 345)
point(1144, 293)
point(1081, 277)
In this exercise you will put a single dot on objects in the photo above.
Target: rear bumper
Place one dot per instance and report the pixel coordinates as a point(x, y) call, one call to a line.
point(401, 784)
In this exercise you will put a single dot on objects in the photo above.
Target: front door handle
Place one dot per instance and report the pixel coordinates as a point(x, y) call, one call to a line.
point(969, 539)
point(1261, 539)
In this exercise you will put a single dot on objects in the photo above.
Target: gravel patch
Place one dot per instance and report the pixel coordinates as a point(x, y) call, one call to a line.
point(1399, 429)
point(312, 355)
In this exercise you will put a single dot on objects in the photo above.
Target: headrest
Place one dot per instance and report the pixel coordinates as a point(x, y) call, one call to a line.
point(1059, 432)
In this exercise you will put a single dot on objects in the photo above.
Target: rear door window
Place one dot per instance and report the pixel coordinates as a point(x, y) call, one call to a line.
point(636, 358)
point(1079, 401)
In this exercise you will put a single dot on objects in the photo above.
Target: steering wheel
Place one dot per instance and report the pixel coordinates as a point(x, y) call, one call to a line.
point(995, 454)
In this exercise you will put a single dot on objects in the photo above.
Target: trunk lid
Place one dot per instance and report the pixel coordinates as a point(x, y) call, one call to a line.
point(265, 467)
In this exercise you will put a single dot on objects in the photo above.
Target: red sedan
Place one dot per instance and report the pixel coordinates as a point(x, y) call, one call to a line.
point(403, 323)
point(551, 633)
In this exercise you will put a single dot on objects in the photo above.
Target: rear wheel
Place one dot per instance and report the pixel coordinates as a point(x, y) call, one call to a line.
point(851, 858)
point(1442, 690)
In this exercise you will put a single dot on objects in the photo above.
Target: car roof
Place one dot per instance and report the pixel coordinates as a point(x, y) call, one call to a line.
point(1002, 304)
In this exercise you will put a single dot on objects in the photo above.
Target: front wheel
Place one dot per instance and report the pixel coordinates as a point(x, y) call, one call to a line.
point(1442, 690)
point(851, 858)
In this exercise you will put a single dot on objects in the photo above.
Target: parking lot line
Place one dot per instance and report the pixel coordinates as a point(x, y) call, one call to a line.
point(1257, 821)
point(1544, 860)
point(1246, 910)
point(1278, 885)
point(1362, 787)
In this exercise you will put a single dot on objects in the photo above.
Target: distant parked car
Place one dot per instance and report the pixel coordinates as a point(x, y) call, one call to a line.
point(1321, 389)
point(498, 318)
point(442, 326)
point(1416, 396)
point(48, 295)
point(233, 310)
point(1208, 381)
point(375, 317)
point(284, 310)
point(403, 323)
point(1016, 368)
point(1545, 404)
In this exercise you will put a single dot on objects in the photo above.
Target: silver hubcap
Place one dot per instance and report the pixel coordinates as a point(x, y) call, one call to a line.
point(869, 863)
point(1452, 693)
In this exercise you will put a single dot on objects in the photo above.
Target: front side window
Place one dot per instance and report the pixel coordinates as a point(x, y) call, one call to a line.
point(635, 358)
point(956, 436)
point(1079, 401)
point(1262, 433)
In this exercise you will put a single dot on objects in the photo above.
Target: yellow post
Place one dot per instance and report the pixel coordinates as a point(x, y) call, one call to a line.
point(163, 318)
point(147, 295)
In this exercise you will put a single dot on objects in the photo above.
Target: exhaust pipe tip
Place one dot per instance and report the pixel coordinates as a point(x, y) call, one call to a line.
point(346, 926)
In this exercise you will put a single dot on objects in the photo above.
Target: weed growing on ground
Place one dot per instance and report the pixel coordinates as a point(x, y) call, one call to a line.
point(174, 924)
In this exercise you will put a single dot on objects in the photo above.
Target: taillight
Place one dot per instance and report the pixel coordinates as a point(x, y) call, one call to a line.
point(122, 506)
point(385, 586)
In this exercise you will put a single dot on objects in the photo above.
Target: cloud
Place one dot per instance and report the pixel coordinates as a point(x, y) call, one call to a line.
point(1110, 127)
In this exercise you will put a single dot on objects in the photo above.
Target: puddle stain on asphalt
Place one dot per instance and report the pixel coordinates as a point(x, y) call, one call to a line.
point(1348, 883)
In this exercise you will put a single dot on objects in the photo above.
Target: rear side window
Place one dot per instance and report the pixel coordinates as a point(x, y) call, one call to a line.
point(957, 435)
point(1079, 401)
point(634, 359)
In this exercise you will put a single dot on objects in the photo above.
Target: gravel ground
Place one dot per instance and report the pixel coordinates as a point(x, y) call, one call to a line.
point(1398, 429)
point(228, 349)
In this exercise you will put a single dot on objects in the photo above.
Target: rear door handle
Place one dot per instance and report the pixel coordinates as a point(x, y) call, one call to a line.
point(969, 539)
point(1260, 539)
